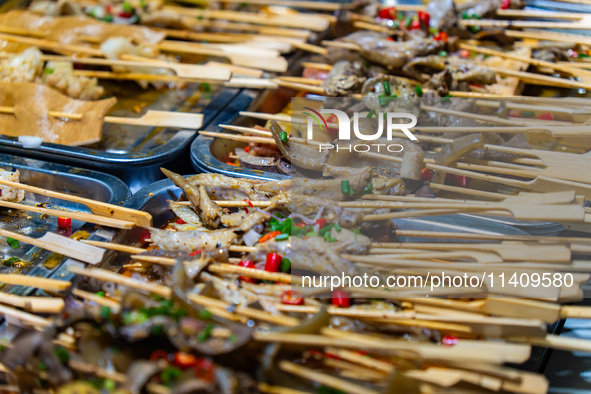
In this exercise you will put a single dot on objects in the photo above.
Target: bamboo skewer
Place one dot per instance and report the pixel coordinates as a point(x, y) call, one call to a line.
point(140, 218)
point(23, 319)
point(85, 217)
point(33, 304)
point(166, 292)
point(581, 25)
point(310, 5)
point(540, 14)
point(61, 245)
point(322, 378)
point(32, 281)
point(309, 22)
point(154, 118)
point(550, 36)
point(535, 62)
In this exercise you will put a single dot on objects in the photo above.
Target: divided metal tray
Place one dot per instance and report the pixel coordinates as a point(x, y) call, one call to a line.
point(61, 178)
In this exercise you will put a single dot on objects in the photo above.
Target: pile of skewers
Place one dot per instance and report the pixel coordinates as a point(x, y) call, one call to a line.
point(225, 278)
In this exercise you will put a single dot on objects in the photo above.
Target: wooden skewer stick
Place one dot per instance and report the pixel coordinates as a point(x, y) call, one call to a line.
point(540, 14)
point(526, 24)
point(224, 268)
point(310, 5)
point(322, 378)
point(140, 218)
point(165, 291)
point(154, 118)
point(85, 217)
point(32, 281)
point(488, 237)
point(534, 62)
point(33, 304)
point(23, 319)
point(550, 36)
point(61, 245)
point(308, 21)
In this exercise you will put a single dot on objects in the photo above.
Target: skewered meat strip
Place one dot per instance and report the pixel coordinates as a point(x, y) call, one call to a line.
point(460, 69)
point(190, 241)
point(345, 77)
point(377, 48)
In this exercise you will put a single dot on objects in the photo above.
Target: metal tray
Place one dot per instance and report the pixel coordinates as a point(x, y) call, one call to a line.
point(61, 178)
point(137, 157)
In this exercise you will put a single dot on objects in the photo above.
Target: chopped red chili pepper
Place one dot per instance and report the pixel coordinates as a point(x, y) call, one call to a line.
point(301, 224)
point(125, 14)
point(331, 355)
point(145, 236)
point(464, 54)
point(388, 13)
point(248, 202)
point(456, 180)
point(426, 175)
point(247, 148)
point(320, 222)
point(289, 297)
point(273, 262)
point(185, 360)
point(424, 18)
point(269, 236)
point(449, 340)
point(195, 253)
point(441, 36)
point(505, 4)
point(247, 264)
point(64, 222)
point(415, 24)
point(341, 299)
point(546, 116)
point(180, 221)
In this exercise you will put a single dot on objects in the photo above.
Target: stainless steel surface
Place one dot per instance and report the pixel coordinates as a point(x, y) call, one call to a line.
point(65, 179)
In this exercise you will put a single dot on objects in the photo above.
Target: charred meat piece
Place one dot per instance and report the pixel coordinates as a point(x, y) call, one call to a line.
point(344, 78)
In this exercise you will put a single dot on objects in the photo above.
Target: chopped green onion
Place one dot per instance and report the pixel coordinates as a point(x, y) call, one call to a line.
point(442, 53)
point(62, 354)
point(205, 314)
point(13, 243)
point(445, 98)
point(109, 384)
point(206, 87)
point(396, 25)
point(368, 189)
point(371, 114)
point(419, 90)
point(105, 312)
point(170, 374)
point(386, 87)
point(346, 188)
point(285, 265)
point(310, 234)
point(11, 262)
point(465, 15)
point(281, 237)
point(48, 71)
point(108, 18)
point(527, 114)
point(127, 7)
point(205, 334)
point(407, 22)
point(283, 136)
point(101, 294)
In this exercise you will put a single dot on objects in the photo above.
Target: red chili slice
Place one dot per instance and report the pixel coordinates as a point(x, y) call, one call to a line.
point(341, 299)
point(289, 297)
point(273, 262)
